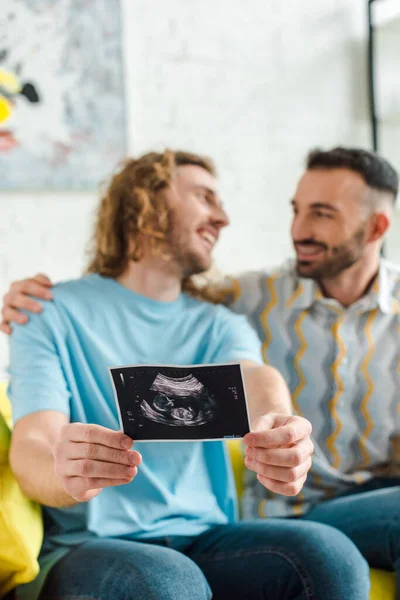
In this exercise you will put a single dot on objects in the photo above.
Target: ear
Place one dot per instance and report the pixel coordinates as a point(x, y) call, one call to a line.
point(380, 223)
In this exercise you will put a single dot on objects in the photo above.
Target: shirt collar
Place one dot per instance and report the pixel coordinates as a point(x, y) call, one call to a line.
point(384, 293)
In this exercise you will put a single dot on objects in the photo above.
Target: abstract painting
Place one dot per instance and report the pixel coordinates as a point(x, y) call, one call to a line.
point(62, 106)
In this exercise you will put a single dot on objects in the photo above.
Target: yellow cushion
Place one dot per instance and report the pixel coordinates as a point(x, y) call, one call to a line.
point(21, 529)
point(383, 583)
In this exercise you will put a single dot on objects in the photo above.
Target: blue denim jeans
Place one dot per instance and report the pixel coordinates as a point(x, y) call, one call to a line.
point(277, 559)
point(370, 517)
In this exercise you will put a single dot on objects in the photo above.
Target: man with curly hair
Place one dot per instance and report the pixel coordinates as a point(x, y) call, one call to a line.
point(160, 523)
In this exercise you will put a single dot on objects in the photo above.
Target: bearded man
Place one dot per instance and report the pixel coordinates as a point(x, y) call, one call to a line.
point(330, 322)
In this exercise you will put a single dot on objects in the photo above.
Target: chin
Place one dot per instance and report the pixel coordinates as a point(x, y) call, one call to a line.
point(306, 271)
point(196, 265)
point(199, 269)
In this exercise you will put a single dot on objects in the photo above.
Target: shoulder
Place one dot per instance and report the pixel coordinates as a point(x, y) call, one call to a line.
point(284, 271)
point(78, 296)
point(258, 288)
point(204, 307)
point(214, 314)
point(79, 288)
point(226, 335)
point(67, 296)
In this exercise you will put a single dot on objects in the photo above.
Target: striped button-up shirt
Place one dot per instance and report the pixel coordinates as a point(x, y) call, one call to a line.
point(342, 366)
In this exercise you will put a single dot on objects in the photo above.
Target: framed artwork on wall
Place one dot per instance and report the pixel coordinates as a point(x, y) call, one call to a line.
point(62, 101)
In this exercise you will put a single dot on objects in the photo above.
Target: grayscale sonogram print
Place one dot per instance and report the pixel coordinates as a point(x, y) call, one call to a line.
point(180, 401)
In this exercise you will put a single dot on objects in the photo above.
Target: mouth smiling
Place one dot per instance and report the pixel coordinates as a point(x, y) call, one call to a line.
point(307, 252)
point(209, 236)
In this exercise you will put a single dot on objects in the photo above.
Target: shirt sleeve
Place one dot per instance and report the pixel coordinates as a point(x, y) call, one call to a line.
point(37, 381)
point(236, 340)
point(244, 293)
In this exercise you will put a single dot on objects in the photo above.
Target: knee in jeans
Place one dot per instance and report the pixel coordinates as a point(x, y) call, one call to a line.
point(333, 548)
point(171, 576)
point(188, 578)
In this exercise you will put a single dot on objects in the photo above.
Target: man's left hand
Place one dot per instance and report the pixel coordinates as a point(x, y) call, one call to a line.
point(279, 450)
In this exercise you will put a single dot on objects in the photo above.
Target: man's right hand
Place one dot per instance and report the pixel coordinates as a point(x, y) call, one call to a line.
point(19, 297)
point(89, 458)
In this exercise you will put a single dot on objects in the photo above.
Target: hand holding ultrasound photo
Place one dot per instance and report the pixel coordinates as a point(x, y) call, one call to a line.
point(198, 402)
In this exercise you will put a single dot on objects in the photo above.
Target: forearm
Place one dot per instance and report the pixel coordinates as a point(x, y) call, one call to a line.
point(266, 391)
point(32, 462)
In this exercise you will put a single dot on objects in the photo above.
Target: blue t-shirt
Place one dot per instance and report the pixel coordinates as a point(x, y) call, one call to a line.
point(60, 360)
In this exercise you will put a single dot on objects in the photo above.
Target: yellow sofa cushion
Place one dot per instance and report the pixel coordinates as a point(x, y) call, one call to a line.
point(383, 583)
point(21, 529)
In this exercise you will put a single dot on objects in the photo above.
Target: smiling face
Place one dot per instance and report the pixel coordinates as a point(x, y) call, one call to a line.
point(330, 224)
point(197, 217)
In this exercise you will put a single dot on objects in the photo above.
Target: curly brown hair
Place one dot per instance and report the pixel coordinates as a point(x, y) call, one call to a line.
point(132, 212)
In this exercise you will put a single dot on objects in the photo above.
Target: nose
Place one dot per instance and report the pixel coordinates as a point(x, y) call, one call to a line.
point(301, 229)
point(220, 217)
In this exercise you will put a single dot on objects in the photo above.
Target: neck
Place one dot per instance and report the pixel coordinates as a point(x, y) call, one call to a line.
point(352, 284)
point(152, 279)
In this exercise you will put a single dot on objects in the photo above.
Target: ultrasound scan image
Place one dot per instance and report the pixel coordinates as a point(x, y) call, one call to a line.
point(179, 401)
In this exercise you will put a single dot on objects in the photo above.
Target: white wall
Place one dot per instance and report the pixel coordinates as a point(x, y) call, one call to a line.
point(254, 84)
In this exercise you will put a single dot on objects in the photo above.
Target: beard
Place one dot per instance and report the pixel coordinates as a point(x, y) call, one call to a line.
point(192, 263)
point(340, 257)
point(186, 259)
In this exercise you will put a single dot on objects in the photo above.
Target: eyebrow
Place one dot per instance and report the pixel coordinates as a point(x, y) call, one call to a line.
point(206, 189)
point(213, 193)
point(319, 205)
